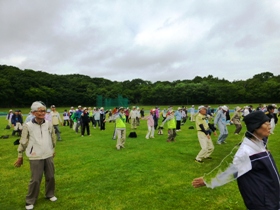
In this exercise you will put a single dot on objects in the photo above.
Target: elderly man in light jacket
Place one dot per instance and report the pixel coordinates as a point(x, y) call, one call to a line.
point(38, 140)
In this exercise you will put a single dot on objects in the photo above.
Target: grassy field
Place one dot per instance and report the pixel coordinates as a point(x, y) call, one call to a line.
point(147, 174)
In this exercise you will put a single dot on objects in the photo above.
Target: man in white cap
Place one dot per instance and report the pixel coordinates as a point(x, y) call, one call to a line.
point(40, 154)
point(203, 134)
point(221, 121)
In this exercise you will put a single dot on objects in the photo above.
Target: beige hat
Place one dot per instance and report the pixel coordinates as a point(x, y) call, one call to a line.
point(238, 108)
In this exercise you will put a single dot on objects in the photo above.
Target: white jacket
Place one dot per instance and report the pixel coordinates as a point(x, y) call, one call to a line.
point(38, 141)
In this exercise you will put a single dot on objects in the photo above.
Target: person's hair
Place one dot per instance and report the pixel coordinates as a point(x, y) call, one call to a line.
point(36, 105)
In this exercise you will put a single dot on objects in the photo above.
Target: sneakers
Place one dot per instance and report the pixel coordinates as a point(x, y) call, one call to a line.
point(29, 206)
point(219, 142)
point(52, 198)
point(198, 161)
point(209, 158)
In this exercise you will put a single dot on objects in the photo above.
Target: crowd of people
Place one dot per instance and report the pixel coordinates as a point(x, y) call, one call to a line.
point(206, 119)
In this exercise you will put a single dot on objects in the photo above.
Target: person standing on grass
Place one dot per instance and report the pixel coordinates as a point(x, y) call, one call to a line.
point(9, 117)
point(132, 116)
point(56, 119)
point(192, 113)
point(65, 118)
point(71, 112)
point(126, 112)
point(85, 122)
point(220, 120)
point(171, 124)
point(102, 118)
point(17, 122)
point(272, 116)
point(142, 113)
point(178, 116)
point(236, 120)
point(156, 117)
point(96, 117)
point(38, 141)
point(150, 124)
point(204, 135)
point(253, 167)
point(78, 118)
point(120, 130)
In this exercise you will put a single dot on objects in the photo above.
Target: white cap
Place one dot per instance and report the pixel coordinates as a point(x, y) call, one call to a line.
point(201, 107)
point(225, 108)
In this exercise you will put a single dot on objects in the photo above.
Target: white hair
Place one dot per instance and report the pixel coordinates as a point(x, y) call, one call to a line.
point(36, 105)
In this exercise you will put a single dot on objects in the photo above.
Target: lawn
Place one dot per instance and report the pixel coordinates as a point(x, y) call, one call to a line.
point(147, 174)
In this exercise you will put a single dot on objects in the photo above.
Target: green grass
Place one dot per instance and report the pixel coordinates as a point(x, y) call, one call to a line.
point(147, 174)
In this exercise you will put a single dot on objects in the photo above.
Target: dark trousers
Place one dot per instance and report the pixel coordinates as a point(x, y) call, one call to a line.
point(155, 122)
point(178, 124)
point(85, 126)
point(71, 123)
point(66, 122)
point(102, 125)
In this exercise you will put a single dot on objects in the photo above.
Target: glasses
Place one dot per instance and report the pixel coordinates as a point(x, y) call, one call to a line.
point(41, 111)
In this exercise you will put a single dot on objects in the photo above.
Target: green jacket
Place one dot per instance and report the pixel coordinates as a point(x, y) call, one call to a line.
point(120, 120)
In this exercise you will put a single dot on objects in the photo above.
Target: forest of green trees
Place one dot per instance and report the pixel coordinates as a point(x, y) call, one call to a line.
point(19, 88)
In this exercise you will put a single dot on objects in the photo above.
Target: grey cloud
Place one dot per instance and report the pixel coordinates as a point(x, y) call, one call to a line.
point(152, 40)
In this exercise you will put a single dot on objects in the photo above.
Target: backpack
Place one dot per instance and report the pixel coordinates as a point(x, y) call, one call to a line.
point(132, 135)
point(4, 137)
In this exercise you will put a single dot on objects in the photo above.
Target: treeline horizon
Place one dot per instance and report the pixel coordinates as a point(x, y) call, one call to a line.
point(19, 88)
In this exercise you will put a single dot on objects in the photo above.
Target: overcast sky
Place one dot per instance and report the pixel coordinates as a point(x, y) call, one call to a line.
point(154, 40)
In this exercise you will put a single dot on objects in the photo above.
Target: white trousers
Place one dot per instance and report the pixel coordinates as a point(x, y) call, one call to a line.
point(151, 132)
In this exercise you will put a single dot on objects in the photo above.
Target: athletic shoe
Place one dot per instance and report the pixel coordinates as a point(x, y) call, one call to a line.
point(29, 206)
point(209, 158)
point(198, 161)
point(219, 142)
point(52, 198)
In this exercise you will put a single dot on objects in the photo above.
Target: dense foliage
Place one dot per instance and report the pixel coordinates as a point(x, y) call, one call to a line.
point(19, 88)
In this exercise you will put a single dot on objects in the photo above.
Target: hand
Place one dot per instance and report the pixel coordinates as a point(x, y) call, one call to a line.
point(19, 162)
point(53, 154)
point(198, 182)
point(215, 133)
point(208, 136)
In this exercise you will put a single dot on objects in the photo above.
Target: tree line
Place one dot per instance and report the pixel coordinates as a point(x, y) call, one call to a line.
point(19, 88)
